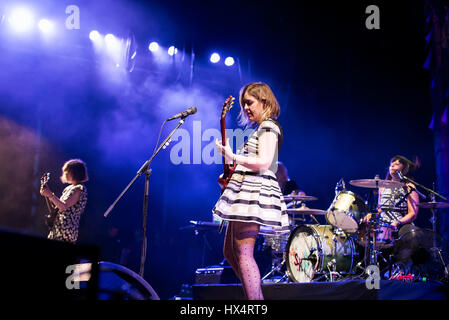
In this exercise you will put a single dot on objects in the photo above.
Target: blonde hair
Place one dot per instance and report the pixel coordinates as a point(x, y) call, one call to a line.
point(263, 93)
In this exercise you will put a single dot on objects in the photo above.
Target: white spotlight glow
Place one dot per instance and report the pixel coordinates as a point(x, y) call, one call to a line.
point(172, 50)
point(153, 47)
point(215, 57)
point(94, 35)
point(46, 26)
point(21, 20)
point(229, 61)
point(109, 39)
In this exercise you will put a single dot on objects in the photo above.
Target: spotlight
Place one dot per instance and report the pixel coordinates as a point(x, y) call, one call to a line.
point(215, 57)
point(21, 20)
point(153, 47)
point(229, 61)
point(109, 39)
point(172, 50)
point(94, 35)
point(45, 26)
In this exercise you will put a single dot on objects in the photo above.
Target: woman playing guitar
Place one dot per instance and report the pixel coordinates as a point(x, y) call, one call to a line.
point(252, 197)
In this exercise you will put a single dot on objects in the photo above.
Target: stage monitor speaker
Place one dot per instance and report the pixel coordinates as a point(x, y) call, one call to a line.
point(116, 282)
point(35, 268)
point(215, 275)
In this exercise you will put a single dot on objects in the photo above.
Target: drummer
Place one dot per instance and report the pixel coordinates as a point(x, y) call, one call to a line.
point(287, 186)
point(398, 206)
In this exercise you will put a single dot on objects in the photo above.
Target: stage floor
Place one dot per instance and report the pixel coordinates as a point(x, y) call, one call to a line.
point(340, 290)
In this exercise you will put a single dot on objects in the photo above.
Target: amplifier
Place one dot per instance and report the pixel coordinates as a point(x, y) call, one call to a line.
point(215, 275)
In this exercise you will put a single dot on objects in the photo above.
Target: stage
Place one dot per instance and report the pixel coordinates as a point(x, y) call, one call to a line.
point(339, 290)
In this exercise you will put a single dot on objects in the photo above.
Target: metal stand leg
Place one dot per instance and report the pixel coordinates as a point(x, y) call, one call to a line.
point(275, 268)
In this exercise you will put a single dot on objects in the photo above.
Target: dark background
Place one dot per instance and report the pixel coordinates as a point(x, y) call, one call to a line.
point(351, 98)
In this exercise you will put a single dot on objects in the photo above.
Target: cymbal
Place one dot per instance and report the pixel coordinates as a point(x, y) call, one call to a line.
point(305, 210)
point(433, 205)
point(295, 197)
point(201, 225)
point(376, 183)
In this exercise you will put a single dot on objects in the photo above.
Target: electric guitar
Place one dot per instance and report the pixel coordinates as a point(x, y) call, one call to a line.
point(52, 210)
point(228, 169)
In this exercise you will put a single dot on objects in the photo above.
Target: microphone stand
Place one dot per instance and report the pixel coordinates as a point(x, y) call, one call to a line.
point(145, 169)
point(407, 179)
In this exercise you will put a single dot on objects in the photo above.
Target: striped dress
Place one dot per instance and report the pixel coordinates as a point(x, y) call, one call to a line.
point(255, 196)
point(393, 203)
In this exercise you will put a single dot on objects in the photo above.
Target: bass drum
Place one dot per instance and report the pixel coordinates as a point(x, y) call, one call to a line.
point(310, 251)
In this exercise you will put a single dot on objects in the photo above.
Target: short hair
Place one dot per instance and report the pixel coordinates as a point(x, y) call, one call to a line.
point(409, 166)
point(263, 93)
point(77, 168)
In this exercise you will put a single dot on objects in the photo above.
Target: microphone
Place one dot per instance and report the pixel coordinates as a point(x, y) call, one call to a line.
point(183, 114)
point(400, 175)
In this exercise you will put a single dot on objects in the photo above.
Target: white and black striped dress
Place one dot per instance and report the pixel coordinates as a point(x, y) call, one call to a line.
point(393, 203)
point(255, 196)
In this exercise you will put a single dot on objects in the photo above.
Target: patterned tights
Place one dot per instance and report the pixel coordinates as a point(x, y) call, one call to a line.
point(238, 250)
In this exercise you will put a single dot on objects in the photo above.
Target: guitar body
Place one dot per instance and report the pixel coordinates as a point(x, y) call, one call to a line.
point(227, 174)
point(52, 211)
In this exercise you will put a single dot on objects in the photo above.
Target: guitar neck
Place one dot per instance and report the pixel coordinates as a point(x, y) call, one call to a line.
point(50, 207)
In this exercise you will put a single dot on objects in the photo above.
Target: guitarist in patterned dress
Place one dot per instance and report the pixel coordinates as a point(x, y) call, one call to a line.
point(252, 197)
point(67, 210)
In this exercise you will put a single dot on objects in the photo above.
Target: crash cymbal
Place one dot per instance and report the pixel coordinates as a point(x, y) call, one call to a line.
point(376, 183)
point(433, 205)
point(305, 210)
point(295, 197)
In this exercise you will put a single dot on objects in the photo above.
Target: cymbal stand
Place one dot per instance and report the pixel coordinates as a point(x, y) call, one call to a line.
point(435, 250)
point(333, 274)
point(373, 252)
point(276, 268)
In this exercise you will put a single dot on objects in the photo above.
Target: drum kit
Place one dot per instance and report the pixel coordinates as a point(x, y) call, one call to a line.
point(315, 252)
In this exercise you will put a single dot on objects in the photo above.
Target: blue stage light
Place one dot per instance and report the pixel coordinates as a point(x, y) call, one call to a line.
point(153, 47)
point(215, 57)
point(229, 61)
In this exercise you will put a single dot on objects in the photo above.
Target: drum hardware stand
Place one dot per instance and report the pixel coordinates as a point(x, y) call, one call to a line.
point(276, 268)
point(333, 274)
point(145, 169)
point(435, 250)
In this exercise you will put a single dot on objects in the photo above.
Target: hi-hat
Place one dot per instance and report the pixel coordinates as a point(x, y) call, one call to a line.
point(305, 210)
point(295, 197)
point(433, 205)
point(376, 183)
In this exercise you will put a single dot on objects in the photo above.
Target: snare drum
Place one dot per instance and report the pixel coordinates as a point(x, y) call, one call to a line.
point(384, 235)
point(311, 248)
point(276, 241)
point(346, 211)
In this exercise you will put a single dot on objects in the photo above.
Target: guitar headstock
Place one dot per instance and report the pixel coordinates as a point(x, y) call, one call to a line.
point(44, 179)
point(227, 106)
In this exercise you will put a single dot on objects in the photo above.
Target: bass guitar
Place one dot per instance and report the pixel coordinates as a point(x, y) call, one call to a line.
point(52, 210)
